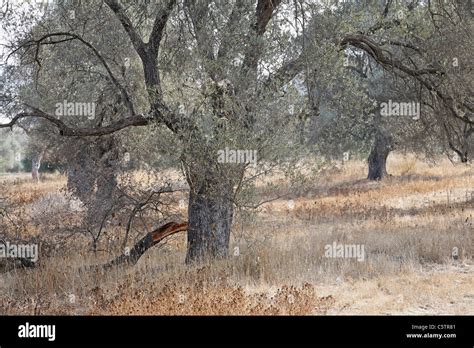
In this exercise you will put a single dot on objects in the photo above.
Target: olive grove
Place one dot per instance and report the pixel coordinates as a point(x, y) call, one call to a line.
point(97, 83)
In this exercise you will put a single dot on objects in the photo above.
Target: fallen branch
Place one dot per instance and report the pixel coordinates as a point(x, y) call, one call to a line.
point(151, 239)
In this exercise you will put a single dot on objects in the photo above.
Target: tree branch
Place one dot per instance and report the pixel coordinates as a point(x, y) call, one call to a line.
point(373, 50)
point(159, 26)
point(264, 12)
point(135, 38)
point(65, 130)
point(70, 36)
point(146, 243)
point(148, 54)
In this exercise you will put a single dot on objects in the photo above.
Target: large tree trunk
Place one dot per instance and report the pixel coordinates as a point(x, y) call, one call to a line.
point(106, 171)
point(210, 213)
point(80, 177)
point(92, 176)
point(378, 157)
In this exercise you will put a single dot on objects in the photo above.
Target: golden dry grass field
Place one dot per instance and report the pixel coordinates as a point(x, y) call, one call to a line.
point(409, 225)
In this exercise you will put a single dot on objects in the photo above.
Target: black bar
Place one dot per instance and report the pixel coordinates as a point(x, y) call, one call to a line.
point(291, 331)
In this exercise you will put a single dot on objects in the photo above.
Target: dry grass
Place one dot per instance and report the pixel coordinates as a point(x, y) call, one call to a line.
point(408, 225)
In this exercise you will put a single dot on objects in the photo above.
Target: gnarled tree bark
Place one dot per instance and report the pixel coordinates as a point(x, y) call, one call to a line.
point(378, 156)
point(210, 214)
